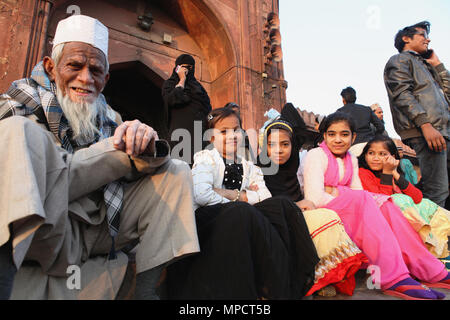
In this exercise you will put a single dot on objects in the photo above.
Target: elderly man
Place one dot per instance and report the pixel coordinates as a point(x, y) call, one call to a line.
point(378, 111)
point(74, 185)
point(376, 108)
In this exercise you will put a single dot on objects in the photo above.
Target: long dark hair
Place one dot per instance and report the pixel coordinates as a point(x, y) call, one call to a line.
point(390, 146)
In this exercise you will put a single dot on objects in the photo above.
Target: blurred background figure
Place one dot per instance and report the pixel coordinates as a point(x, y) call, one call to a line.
point(376, 108)
point(363, 118)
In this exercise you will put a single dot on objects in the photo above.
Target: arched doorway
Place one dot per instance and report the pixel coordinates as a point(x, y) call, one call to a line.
point(134, 91)
point(141, 60)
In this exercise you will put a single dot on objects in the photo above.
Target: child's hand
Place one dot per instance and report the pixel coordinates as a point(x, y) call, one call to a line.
point(305, 205)
point(253, 187)
point(390, 164)
point(229, 194)
point(332, 190)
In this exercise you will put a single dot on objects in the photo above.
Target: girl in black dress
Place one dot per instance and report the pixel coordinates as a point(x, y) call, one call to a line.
point(252, 245)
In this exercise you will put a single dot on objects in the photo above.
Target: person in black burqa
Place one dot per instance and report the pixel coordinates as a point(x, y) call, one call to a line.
point(185, 101)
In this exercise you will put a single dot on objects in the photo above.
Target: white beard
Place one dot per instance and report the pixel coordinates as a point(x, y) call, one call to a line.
point(82, 116)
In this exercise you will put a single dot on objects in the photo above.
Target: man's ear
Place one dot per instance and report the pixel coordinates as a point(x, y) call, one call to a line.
point(406, 39)
point(106, 81)
point(49, 67)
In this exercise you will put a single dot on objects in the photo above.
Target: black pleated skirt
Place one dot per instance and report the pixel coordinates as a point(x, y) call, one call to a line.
point(247, 252)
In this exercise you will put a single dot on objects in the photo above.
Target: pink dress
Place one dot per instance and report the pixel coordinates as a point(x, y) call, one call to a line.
point(381, 232)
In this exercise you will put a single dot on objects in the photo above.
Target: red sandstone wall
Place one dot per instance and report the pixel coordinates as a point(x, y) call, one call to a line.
point(225, 36)
point(15, 22)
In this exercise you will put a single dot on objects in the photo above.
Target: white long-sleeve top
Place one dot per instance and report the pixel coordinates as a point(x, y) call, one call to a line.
point(316, 164)
point(208, 173)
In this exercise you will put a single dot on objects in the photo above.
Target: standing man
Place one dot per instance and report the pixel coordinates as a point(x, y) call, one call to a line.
point(418, 86)
point(363, 117)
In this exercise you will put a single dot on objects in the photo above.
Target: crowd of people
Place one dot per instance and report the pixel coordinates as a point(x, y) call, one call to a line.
point(230, 219)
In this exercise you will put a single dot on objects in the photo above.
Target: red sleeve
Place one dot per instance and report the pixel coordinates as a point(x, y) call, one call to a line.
point(413, 192)
point(371, 183)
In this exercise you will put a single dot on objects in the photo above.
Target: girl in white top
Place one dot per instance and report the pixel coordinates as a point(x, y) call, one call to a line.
point(213, 169)
point(250, 242)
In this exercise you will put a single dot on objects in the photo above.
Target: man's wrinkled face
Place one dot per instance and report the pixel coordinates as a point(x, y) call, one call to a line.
point(419, 42)
point(80, 77)
point(81, 72)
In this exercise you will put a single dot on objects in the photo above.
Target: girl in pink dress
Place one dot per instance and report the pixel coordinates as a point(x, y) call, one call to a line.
point(382, 233)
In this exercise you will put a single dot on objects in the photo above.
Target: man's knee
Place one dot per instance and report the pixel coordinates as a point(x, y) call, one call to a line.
point(19, 126)
point(179, 169)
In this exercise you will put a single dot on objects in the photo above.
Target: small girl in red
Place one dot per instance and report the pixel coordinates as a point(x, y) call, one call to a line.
point(380, 173)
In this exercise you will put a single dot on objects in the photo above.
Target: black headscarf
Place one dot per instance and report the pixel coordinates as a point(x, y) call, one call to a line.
point(182, 107)
point(193, 88)
point(285, 181)
point(185, 59)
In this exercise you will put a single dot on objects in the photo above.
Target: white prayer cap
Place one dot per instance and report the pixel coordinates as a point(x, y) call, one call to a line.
point(375, 106)
point(82, 29)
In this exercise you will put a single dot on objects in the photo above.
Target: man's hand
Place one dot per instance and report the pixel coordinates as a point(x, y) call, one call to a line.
point(434, 60)
point(433, 137)
point(135, 138)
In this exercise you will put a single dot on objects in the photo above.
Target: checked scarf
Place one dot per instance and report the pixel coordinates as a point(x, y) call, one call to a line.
point(37, 94)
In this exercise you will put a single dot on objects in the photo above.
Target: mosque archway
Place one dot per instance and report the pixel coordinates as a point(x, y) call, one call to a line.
point(134, 90)
point(194, 28)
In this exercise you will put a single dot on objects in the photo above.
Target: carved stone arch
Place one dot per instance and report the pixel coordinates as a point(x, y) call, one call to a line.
point(211, 41)
point(207, 26)
point(196, 28)
point(134, 90)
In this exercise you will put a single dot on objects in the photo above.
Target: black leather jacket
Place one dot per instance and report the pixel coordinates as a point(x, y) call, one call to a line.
point(418, 93)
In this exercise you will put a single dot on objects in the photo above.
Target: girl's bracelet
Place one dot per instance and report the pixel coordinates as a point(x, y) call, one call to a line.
point(238, 195)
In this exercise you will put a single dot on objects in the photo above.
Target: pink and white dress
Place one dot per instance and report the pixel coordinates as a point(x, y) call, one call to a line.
point(381, 232)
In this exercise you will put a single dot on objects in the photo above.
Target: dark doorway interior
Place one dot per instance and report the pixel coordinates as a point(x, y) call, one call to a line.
point(134, 91)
